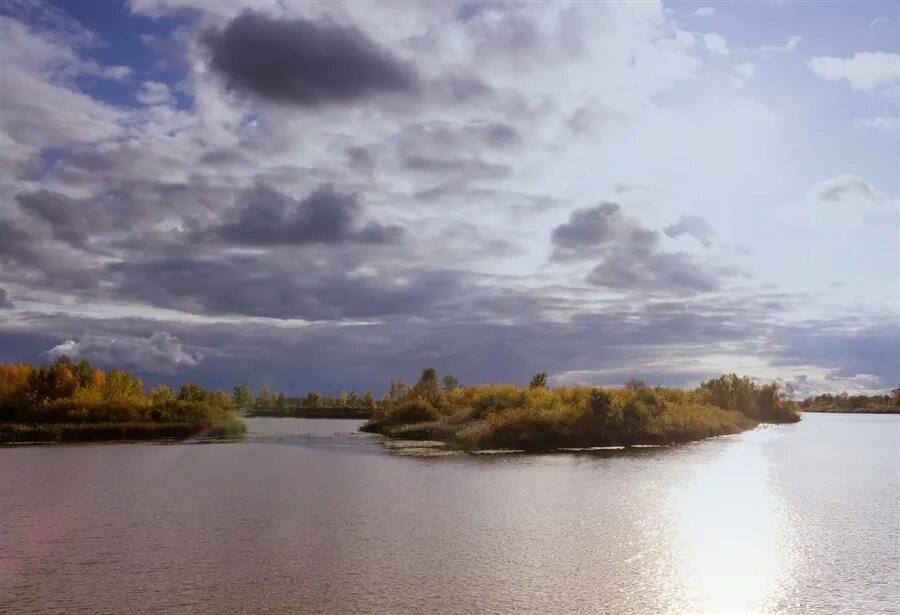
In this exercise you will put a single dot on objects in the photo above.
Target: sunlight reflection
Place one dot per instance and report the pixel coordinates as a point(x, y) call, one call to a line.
point(730, 531)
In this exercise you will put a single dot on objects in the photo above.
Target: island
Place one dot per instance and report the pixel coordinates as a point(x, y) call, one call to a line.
point(540, 418)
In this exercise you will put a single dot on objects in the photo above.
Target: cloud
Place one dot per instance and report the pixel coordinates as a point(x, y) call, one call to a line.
point(852, 356)
point(630, 257)
point(768, 50)
point(468, 167)
point(44, 18)
point(842, 201)
point(60, 212)
point(883, 123)
point(742, 73)
point(89, 223)
point(155, 93)
point(209, 220)
point(589, 230)
point(716, 44)
point(266, 216)
point(40, 108)
point(160, 352)
point(304, 63)
point(864, 72)
point(852, 191)
point(695, 226)
point(296, 286)
point(677, 342)
point(4, 300)
point(705, 11)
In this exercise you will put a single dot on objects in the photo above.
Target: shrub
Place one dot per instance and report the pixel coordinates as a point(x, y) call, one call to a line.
point(414, 411)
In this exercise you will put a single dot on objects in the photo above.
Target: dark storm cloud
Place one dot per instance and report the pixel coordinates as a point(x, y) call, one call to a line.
point(361, 159)
point(17, 245)
point(695, 226)
point(677, 273)
point(592, 229)
point(500, 134)
point(305, 63)
point(4, 300)
point(331, 356)
point(68, 222)
point(120, 206)
point(872, 349)
point(629, 254)
point(272, 285)
point(36, 261)
point(267, 217)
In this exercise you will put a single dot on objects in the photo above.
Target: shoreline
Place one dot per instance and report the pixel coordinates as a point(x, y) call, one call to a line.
point(314, 413)
point(890, 410)
point(77, 433)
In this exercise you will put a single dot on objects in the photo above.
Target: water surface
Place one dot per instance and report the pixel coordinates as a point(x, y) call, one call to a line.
point(803, 517)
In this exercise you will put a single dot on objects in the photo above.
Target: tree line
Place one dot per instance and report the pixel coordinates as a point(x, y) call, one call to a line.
point(86, 402)
point(844, 402)
point(269, 403)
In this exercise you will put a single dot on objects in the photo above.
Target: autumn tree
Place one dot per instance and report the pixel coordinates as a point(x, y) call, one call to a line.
point(243, 397)
point(538, 381)
point(162, 395)
point(220, 399)
point(192, 392)
point(368, 401)
point(450, 382)
point(312, 400)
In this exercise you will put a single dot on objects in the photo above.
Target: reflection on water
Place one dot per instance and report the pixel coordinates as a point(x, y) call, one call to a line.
point(798, 518)
point(731, 528)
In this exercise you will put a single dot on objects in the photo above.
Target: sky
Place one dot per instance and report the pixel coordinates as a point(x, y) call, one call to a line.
point(326, 196)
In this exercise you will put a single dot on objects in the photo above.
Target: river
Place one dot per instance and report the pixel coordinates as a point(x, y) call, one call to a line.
point(799, 518)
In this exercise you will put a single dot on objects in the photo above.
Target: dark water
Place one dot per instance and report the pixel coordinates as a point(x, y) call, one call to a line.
point(800, 518)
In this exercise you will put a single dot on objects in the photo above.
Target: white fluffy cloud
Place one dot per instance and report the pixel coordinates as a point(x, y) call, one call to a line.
point(865, 72)
point(155, 93)
point(705, 11)
point(789, 45)
point(161, 352)
point(741, 73)
point(715, 43)
point(884, 123)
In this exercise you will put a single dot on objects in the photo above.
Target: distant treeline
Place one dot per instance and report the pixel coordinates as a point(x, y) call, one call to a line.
point(536, 417)
point(268, 403)
point(844, 402)
point(67, 401)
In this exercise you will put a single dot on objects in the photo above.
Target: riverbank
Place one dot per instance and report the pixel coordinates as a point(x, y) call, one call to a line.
point(838, 410)
point(853, 404)
point(24, 433)
point(539, 418)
